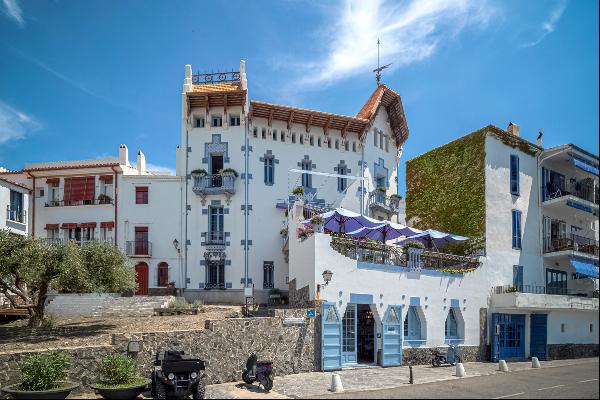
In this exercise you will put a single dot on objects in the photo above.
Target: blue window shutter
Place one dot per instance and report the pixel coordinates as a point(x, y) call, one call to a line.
point(516, 229)
point(518, 276)
point(514, 175)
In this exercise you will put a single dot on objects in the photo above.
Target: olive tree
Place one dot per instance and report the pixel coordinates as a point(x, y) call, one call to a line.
point(30, 267)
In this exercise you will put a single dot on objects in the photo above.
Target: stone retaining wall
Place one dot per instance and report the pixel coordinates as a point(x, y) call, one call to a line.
point(570, 350)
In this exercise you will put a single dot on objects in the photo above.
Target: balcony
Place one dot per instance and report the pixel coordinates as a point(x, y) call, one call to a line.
point(205, 185)
point(80, 242)
point(414, 259)
point(138, 248)
point(378, 201)
point(16, 215)
point(582, 196)
point(544, 298)
point(101, 200)
point(571, 245)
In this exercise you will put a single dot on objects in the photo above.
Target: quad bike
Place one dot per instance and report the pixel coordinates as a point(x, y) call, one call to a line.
point(177, 375)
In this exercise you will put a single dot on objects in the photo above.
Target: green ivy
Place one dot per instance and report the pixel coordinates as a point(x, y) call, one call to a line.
point(446, 190)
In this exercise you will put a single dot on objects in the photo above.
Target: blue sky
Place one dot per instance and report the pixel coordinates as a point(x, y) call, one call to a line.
point(77, 78)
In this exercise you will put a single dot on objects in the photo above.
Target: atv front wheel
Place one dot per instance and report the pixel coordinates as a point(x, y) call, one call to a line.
point(246, 378)
point(199, 391)
point(161, 390)
point(267, 383)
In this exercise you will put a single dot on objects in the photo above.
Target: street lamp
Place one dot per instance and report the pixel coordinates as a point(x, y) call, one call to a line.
point(327, 274)
point(176, 245)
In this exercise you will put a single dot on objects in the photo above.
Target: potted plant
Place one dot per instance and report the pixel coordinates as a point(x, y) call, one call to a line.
point(228, 171)
point(119, 379)
point(317, 223)
point(44, 376)
point(200, 171)
point(104, 199)
point(413, 245)
point(304, 232)
point(298, 191)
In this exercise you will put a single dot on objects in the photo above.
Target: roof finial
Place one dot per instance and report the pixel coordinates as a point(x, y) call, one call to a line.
point(379, 69)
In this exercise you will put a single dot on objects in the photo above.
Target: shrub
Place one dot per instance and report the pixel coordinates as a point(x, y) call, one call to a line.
point(317, 220)
point(46, 322)
point(414, 245)
point(118, 370)
point(45, 371)
point(181, 302)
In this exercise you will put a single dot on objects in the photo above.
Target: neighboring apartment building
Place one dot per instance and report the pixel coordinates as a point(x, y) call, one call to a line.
point(540, 240)
point(108, 200)
point(14, 202)
point(243, 159)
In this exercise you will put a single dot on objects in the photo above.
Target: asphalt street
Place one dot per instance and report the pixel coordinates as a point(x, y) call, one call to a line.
point(578, 381)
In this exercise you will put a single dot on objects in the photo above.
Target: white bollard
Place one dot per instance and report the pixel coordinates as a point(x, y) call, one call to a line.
point(535, 363)
point(460, 370)
point(336, 384)
point(502, 366)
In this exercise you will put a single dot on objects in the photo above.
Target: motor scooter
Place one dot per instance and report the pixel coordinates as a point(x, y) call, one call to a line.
point(260, 371)
point(452, 356)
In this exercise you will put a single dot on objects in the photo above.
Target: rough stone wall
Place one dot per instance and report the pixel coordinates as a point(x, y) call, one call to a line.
point(484, 348)
point(299, 297)
point(422, 355)
point(570, 350)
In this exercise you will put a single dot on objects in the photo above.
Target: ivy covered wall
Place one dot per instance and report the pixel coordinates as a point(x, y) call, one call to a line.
point(445, 189)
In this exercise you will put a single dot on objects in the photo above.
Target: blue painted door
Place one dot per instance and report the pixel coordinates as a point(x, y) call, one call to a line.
point(392, 337)
point(508, 336)
point(349, 340)
point(331, 339)
point(539, 335)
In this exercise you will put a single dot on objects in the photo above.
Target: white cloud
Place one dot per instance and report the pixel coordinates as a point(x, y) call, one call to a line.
point(160, 168)
point(12, 9)
point(410, 31)
point(14, 124)
point(549, 25)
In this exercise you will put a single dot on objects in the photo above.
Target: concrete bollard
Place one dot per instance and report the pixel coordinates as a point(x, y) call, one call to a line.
point(502, 366)
point(460, 370)
point(535, 363)
point(336, 384)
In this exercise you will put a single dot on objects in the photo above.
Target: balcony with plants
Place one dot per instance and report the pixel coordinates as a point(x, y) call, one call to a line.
point(380, 201)
point(205, 184)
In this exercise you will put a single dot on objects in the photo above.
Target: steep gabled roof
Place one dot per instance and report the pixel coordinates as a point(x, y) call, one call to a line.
point(385, 97)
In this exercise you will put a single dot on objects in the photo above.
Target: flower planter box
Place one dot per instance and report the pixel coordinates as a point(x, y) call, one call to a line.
point(124, 393)
point(59, 393)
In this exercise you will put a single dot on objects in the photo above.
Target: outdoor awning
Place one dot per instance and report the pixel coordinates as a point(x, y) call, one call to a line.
point(585, 268)
point(107, 224)
point(87, 225)
point(68, 226)
point(586, 166)
point(51, 226)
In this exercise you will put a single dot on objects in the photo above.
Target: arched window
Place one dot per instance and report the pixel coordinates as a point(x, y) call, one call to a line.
point(163, 274)
point(451, 325)
point(412, 324)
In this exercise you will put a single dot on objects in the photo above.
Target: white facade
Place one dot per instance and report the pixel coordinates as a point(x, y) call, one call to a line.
point(14, 202)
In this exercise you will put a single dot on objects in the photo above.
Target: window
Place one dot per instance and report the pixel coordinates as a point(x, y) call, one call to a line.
point(337, 144)
point(141, 195)
point(346, 145)
point(217, 120)
point(215, 275)
point(349, 329)
point(269, 170)
point(282, 136)
point(412, 324)
point(141, 244)
point(275, 134)
point(312, 140)
point(53, 234)
point(162, 274)
point(328, 143)
point(15, 210)
point(591, 328)
point(451, 331)
point(354, 147)
point(106, 234)
point(234, 120)
point(301, 139)
point(255, 132)
point(216, 221)
point(264, 133)
point(514, 174)
point(516, 229)
point(381, 136)
point(293, 137)
point(199, 122)
point(106, 189)
point(306, 178)
point(375, 134)
point(518, 277)
point(319, 141)
point(387, 143)
point(562, 328)
point(556, 282)
point(268, 275)
point(80, 190)
point(342, 183)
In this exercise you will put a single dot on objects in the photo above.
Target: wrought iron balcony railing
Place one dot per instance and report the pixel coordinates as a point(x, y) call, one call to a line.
point(581, 190)
point(215, 238)
point(378, 200)
point(549, 290)
point(16, 215)
point(138, 248)
point(79, 242)
point(204, 184)
point(70, 203)
point(216, 77)
point(572, 242)
point(415, 259)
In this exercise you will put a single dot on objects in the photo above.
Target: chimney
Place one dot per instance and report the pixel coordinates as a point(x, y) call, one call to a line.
point(187, 82)
point(513, 129)
point(141, 163)
point(123, 155)
point(539, 138)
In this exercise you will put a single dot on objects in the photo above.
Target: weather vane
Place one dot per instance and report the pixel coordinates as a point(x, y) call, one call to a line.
point(379, 69)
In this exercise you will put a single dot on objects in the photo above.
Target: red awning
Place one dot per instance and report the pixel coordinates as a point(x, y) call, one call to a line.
point(106, 178)
point(52, 226)
point(80, 188)
point(68, 226)
point(107, 224)
point(88, 225)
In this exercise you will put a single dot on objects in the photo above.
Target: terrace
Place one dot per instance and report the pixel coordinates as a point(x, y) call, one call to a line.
point(210, 184)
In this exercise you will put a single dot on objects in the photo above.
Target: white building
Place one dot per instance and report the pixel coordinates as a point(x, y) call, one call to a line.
point(14, 202)
point(109, 200)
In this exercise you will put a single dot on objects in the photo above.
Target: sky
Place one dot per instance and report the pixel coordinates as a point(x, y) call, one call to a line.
point(77, 78)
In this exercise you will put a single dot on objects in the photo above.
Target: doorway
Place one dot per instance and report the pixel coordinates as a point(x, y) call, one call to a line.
point(358, 335)
point(141, 279)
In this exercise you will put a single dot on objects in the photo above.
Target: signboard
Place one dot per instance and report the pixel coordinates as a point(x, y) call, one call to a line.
point(249, 292)
point(293, 321)
point(311, 313)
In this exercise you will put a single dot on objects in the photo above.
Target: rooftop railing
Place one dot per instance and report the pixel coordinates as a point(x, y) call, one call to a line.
point(378, 253)
point(555, 291)
point(572, 242)
point(216, 77)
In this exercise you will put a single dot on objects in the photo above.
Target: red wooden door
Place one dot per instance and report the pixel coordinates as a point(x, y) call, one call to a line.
point(141, 278)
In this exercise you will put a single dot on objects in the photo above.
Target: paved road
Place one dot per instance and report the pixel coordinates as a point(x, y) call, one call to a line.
point(578, 381)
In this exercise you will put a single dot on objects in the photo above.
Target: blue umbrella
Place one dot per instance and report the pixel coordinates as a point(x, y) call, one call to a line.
point(432, 238)
point(342, 220)
point(385, 231)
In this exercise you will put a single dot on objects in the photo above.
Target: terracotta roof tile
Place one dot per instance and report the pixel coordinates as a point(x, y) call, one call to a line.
point(216, 87)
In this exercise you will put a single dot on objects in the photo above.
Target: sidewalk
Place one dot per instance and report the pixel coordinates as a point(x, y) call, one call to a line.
point(316, 384)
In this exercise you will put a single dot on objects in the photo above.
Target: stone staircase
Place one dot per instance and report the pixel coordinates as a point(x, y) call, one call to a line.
point(104, 305)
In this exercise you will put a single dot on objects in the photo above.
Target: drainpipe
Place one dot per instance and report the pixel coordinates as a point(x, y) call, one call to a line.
point(187, 156)
point(362, 181)
point(116, 204)
point(33, 208)
point(246, 211)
